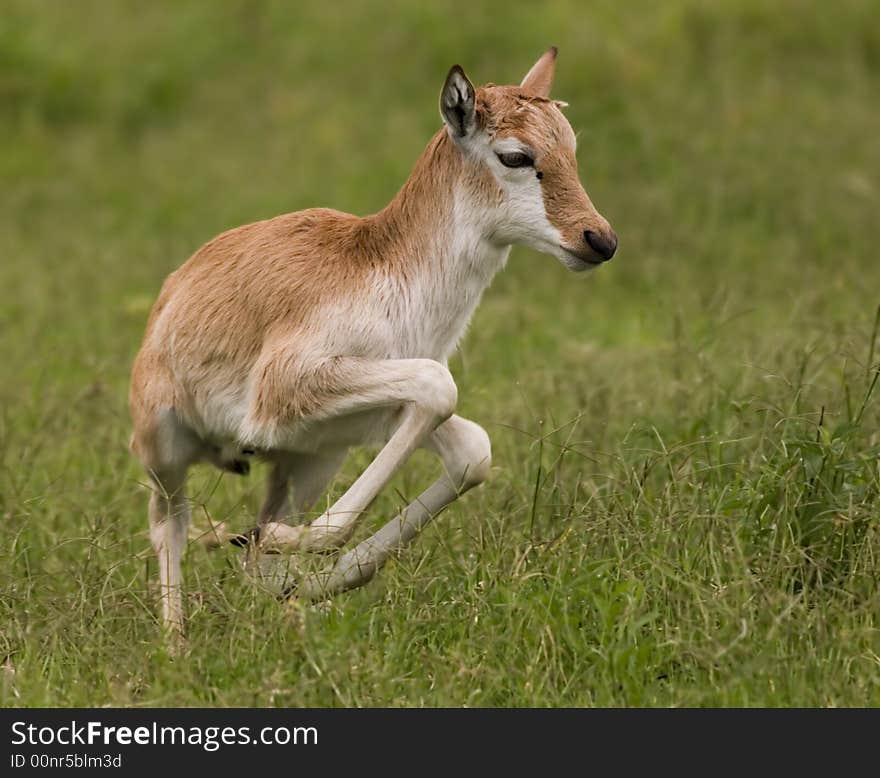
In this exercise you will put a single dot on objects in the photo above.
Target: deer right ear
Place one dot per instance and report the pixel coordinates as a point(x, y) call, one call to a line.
point(457, 103)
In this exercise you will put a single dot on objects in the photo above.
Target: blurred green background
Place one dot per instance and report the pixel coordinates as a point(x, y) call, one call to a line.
point(684, 504)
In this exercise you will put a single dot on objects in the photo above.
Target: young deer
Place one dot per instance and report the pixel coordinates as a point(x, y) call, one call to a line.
point(294, 338)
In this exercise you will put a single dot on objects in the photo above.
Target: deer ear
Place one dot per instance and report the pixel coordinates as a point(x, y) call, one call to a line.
point(457, 103)
point(540, 78)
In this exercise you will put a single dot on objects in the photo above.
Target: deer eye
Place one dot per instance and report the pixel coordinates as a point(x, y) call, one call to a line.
point(516, 159)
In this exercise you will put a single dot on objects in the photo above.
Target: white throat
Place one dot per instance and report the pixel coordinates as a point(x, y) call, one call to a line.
point(421, 307)
point(461, 264)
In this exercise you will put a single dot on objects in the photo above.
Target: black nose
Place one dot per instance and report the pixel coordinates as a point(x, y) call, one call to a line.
point(603, 245)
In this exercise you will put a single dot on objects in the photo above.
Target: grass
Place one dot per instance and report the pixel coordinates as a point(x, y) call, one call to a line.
point(684, 504)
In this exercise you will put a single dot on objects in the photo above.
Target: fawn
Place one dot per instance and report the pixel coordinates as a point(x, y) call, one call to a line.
point(294, 338)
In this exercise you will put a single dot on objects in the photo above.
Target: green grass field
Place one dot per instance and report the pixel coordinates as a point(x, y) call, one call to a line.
point(684, 504)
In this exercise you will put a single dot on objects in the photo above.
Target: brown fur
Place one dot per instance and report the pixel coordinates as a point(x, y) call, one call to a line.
point(299, 336)
point(537, 122)
point(232, 308)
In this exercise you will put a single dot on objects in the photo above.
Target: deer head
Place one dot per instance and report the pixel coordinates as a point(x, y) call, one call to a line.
point(521, 137)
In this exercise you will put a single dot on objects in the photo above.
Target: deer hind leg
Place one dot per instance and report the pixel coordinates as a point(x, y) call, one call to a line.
point(425, 391)
point(276, 505)
point(169, 518)
point(309, 474)
point(465, 451)
point(166, 448)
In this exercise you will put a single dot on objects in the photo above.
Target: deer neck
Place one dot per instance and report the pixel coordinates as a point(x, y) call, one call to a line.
point(437, 236)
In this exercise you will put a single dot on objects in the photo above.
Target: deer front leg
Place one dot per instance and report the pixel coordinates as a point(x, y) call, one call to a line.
point(426, 391)
point(466, 453)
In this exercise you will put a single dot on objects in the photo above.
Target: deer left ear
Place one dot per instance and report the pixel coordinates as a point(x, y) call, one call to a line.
point(457, 103)
point(540, 78)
